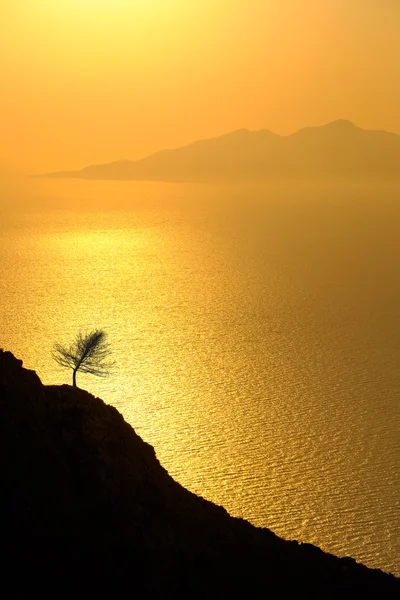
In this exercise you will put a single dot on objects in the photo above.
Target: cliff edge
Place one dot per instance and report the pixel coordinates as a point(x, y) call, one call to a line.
point(88, 510)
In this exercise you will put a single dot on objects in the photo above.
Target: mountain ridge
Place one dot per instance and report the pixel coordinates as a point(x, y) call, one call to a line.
point(339, 149)
point(90, 510)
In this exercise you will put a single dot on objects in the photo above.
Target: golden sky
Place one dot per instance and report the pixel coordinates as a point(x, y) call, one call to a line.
point(91, 81)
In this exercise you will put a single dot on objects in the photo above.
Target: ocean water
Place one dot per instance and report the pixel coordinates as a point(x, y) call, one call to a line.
point(256, 335)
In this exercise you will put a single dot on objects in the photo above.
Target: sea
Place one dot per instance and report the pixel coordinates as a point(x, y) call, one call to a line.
point(255, 332)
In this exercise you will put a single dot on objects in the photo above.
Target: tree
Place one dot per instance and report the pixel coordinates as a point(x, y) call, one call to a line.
point(86, 354)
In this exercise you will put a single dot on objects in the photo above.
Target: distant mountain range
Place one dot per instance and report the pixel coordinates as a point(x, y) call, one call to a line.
point(339, 150)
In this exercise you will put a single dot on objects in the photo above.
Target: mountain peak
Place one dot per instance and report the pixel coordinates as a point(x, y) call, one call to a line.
point(340, 125)
point(343, 124)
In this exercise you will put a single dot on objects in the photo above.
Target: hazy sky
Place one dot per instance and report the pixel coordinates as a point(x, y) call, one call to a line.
point(86, 81)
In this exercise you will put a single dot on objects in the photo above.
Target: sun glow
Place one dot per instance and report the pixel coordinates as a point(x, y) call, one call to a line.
point(90, 81)
point(115, 7)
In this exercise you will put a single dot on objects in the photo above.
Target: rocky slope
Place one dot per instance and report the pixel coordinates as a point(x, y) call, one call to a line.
point(88, 510)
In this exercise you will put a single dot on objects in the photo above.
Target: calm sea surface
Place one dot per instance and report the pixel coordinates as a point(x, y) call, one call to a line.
point(256, 336)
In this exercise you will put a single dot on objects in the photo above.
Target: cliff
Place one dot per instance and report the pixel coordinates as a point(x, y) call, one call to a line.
point(88, 510)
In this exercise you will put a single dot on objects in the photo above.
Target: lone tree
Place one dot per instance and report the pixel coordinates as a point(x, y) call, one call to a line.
point(87, 354)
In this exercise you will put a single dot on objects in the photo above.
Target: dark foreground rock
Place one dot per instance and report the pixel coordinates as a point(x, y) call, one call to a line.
point(88, 511)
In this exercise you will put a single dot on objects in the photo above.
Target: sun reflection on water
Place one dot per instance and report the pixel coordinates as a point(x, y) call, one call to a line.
point(237, 372)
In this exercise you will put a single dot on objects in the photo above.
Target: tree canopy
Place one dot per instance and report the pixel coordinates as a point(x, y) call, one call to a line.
point(87, 354)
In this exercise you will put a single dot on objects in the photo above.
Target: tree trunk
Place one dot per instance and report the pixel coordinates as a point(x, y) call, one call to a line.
point(74, 378)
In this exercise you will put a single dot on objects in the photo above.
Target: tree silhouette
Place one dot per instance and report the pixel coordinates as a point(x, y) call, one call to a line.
point(86, 354)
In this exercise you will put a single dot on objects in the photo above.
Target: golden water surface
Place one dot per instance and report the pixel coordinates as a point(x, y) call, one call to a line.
point(256, 340)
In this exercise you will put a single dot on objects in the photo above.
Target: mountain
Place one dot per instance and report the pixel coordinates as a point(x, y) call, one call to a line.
point(89, 512)
point(337, 150)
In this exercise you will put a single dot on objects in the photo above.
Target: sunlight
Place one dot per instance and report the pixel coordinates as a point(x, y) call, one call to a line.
point(97, 12)
point(114, 6)
point(215, 185)
point(111, 4)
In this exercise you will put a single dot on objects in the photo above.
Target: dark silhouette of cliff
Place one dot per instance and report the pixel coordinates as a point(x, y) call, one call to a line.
point(337, 151)
point(88, 510)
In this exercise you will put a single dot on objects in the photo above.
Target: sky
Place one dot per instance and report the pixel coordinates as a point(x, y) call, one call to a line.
point(91, 81)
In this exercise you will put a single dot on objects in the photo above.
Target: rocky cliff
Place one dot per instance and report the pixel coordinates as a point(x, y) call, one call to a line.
point(88, 510)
